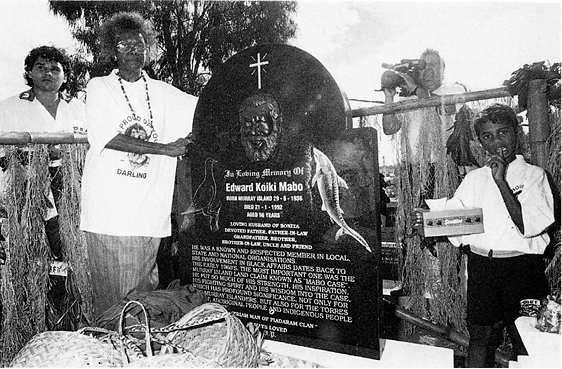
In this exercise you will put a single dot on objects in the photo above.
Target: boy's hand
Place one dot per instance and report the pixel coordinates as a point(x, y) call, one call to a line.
point(497, 164)
point(416, 221)
point(416, 218)
point(2, 255)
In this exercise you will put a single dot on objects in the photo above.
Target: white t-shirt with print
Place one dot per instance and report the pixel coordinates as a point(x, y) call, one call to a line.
point(530, 184)
point(125, 194)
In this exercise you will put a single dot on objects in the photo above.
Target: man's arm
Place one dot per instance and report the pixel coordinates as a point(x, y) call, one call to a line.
point(126, 143)
point(390, 124)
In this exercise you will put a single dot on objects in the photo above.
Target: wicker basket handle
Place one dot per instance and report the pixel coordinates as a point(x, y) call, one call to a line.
point(146, 323)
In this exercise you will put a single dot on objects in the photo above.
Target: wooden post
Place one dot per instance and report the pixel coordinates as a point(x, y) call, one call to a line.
point(539, 128)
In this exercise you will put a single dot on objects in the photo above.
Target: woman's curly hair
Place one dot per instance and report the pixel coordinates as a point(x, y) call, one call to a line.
point(125, 22)
point(52, 54)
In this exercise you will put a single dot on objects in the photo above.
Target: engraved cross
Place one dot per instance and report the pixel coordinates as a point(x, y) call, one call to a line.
point(259, 64)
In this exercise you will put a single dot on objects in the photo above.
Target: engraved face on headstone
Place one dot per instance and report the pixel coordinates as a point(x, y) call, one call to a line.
point(260, 126)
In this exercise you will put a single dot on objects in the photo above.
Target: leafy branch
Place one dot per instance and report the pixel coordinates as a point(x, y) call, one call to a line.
point(518, 84)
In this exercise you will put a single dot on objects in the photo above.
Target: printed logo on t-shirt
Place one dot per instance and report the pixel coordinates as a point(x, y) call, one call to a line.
point(136, 127)
point(517, 190)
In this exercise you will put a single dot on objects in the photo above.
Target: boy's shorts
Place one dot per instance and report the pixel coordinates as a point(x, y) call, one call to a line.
point(496, 285)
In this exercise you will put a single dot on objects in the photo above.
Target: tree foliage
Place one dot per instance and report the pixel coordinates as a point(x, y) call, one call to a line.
point(194, 37)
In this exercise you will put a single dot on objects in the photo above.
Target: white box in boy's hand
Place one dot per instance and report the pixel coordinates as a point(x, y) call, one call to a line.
point(452, 222)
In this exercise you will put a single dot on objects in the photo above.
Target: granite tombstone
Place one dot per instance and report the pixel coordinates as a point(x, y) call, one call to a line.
point(281, 225)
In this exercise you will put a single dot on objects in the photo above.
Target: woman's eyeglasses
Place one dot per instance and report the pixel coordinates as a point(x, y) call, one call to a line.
point(125, 48)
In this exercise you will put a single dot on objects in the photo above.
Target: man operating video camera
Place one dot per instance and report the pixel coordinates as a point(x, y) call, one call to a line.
point(396, 76)
point(419, 78)
point(424, 169)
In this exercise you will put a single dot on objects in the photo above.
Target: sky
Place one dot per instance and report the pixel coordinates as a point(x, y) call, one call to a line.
point(482, 43)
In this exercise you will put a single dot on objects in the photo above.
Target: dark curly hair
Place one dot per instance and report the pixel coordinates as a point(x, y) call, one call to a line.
point(496, 113)
point(125, 22)
point(52, 54)
point(501, 113)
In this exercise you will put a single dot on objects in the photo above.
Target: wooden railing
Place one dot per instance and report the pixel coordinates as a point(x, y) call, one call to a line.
point(406, 105)
point(24, 138)
point(537, 112)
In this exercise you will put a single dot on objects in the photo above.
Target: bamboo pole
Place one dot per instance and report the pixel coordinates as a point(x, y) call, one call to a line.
point(24, 138)
point(539, 127)
point(406, 105)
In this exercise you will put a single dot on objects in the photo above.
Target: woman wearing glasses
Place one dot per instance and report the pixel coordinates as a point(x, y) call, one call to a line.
point(137, 126)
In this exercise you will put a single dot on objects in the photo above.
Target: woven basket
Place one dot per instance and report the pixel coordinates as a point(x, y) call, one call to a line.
point(67, 349)
point(140, 353)
point(211, 333)
point(186, 360)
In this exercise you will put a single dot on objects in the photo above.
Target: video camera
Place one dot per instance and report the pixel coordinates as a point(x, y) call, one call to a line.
point(390, 79)
point(406, 65)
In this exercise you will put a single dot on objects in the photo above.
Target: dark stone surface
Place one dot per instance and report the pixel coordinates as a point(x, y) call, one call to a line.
point(253, 235)
point(312, 104)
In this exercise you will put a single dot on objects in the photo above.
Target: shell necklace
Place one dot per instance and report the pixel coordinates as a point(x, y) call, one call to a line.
point(147, 98)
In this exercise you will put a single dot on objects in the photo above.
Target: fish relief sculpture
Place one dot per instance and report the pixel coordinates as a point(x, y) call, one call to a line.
point(205, 199)
point(328, 182)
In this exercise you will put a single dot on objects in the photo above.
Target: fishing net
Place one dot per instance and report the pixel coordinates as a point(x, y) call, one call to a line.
point(25, 282)
point(79, 306)
point(25, 273)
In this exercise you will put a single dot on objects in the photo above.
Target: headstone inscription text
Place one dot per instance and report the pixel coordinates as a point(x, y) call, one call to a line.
point(266, 261)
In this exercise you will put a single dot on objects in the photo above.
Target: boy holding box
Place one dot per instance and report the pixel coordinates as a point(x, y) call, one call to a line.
point(505, 261)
